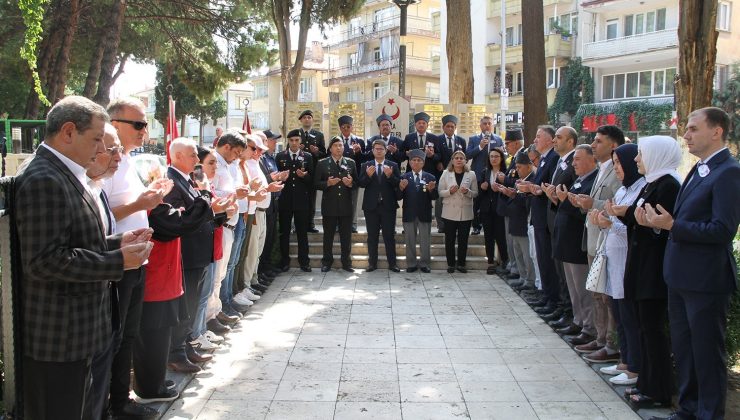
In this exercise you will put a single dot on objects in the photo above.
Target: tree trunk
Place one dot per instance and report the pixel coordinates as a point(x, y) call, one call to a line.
point(93, 72)
point(697, 40)
point(110, 39)
point(459, 53)
point(533, 47)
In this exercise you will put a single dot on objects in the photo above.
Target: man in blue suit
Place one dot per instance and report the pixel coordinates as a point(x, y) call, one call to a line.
point(394, 145)
point(425, 141)
point(699, 267)
point(477, 153)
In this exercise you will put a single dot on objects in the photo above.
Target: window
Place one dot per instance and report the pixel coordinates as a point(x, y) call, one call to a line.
point(519, 86)
point(607, 87)
point(670, 74)
point(629, 25)
point(632, 85)
point(376, 54)
point(619, 86)
point(644, 22)
point(660, 20)
point(434, 51)
point(612, 26)
point(380, 89)
point(646, 83)
point(352, 94)
point(510, 36)
point(239, 101)
point(519, 36)
point(553, 78)
point(724, 10)
point(433, 91)
point(638, 84)
point(260, 90)
point(639, 24)
point(659, 82)
point(721, 74)
point(306, 86)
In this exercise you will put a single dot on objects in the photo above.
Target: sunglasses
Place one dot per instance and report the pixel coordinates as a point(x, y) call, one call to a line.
point(114, 150)
point(138, 125)
point(253, 148)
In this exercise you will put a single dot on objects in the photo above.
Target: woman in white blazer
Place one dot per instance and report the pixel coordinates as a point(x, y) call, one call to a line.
point(457, 187)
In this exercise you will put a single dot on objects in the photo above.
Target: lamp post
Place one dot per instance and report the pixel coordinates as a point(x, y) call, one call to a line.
point(403, 5)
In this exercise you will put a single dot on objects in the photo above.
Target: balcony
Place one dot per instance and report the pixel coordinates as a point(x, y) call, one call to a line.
point(375, 30)
point(555, 46)
point(635, 44)
point(415, 66)
point(515, 6)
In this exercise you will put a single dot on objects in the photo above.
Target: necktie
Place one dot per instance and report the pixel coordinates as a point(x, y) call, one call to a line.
point(557, 170)
point(385, 139)
point(449, 142)
point(338, 163)
point(106, 206)
point(416, 177)
point(292, 157)
point(421, 141)
point(380, 171)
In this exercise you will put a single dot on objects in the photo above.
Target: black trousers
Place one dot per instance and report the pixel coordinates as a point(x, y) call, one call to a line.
point(57, 390)
point(377, 220)
point(628, 331)
point(100, 369)
point(345, 238)
point(548, 274)
point(476, 213)
point(312, 207)
point(300, 218)
point(494, 231)
point(193, 284)
point(698, 328)
point(460, 231)
point(271, 219)
point(656, 372)
point(152, 346)
point(130, 298)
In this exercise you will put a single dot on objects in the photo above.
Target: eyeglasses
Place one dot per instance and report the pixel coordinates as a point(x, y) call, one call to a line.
point(138, 125)
point(253, 148)
point(114, 150)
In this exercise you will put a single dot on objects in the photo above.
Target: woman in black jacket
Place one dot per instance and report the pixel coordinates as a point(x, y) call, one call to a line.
point(494, 230)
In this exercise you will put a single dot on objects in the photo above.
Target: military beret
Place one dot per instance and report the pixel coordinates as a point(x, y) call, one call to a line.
point(421, 116)
point(522, 158)
point(306, 112)
point(344, 119)
point(417, 153)
point(514, 135)
point(294, 133)
point(334, 140)
point(384, 117)
point(449, 118)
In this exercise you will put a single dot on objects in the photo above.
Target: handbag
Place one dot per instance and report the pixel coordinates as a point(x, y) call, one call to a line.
point(596, 279)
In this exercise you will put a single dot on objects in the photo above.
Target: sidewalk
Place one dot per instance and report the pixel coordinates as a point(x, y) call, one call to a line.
point(390, 346)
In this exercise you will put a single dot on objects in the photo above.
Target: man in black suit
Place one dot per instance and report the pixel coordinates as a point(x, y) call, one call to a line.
point(513, 144)
point(394, 145)
point(68, 263)
point(479, 147)
point(517, 214)
point(699, 267)
point(197, 254)
point(427, 142)
point(354, 148)
point(417, 189)
point(312, 141)
point(335, 176)
point(449, 142)
point(294, 202)
point(270, 169)
point(379, 177)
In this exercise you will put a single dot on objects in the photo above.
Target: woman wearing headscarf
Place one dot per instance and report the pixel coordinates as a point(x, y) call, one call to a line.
point(614, 235)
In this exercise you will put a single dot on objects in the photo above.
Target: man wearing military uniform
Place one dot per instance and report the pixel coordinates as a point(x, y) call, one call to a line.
point(312, 141)
point(394, 145)
point(354, 148)
point(294, 199)
point(449, 143)
point(335, 176)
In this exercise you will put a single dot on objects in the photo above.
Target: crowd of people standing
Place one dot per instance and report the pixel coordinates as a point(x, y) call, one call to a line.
point(604, 240)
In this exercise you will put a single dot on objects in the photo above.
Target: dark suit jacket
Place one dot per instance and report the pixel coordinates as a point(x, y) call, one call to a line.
point(480, 157)
point(565, 177)
point(517, 210)
point(699, 252)
point(417, 203)
point(643, 273)
point(540, 203)
point(430, 163)
point(295, 194)
point(488, 200)
point(459, 143)
point(569, 225)
point(197, 245)
point(265, 168)
point(397, 157)
point(380, 190)
point(336, 201)
point(316, 138)
point(67, 263)
point(350, 153)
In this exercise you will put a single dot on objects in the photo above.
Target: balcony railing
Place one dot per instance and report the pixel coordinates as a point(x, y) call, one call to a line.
point(635, 44)
point(555, 46)
point(514, 6)
point(414, 66)
point(374, 30)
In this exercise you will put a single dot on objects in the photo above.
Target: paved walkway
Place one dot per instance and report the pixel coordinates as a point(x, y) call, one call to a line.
point(398, 346)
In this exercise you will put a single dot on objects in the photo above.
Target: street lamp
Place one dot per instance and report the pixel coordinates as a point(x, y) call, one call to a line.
point(403, 5)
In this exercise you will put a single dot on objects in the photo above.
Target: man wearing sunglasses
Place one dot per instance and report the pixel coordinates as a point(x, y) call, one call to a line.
point(129, 201)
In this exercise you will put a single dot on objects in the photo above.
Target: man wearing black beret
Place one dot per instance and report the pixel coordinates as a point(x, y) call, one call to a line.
point(394, 145)
point(312, 141)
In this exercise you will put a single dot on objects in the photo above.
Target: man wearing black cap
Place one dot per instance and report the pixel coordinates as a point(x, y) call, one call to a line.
point(269, 166)
point(335, 176)
point(477, 152)
point(417, 189)
point(449, 143)
point(427, 142)
point(294, 199)
point(394, 145)
point(313, 142)
point(354, 148)
point(514, 143)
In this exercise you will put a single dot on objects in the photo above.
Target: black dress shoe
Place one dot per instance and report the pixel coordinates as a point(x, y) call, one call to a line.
point(264, 279)
point(553, 316)
point(163, 396)
point(325, 268)
point(476, 232)
point(395, 269)
point(183, 366)
point(313, 230)
point(262, 288)
point(354, 230)
point(411, 269)
point(512, 276)
point(571, 329)
point(133, 409)
point(462, 269)
point(306, 268)
point(562, 322)
point(348, 268)
point(285, 268)
point(547, 309)
point(581, 338)
point(450, 270)
point(515, 284)
point(217, 327)
point(371, 268)
point(426, 270)
point(537, 303)
point(196, 357)
point(491, 270)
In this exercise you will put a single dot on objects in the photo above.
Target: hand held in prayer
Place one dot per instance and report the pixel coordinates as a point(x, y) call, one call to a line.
point(332, 181)
point(314, 149)
point(387, 170)
point(370, 171)
point(403, 184)
point(300, 173)
point(135, 255)
point(150, 199)
point(453, 189)
point(347, 180)
point(431, 185)
point(464, 190)
point(585, 201)
point(484, 186)
point(133, 237)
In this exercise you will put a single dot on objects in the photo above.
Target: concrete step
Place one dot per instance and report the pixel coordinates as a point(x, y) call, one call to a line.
point(361, 237)
point(360, 248)
point(361, 261)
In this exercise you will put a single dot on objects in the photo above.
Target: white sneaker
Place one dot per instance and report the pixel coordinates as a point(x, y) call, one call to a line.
point(623, 379)
point(213, 337)
point(248, 293)
point(242, 300)
point(202, 343)
point(611, 370)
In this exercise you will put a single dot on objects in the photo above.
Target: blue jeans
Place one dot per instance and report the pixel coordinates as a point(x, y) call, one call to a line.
point(226, 294)
point(199, 320)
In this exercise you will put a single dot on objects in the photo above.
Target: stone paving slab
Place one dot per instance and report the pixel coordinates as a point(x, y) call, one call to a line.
point(389, 346)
